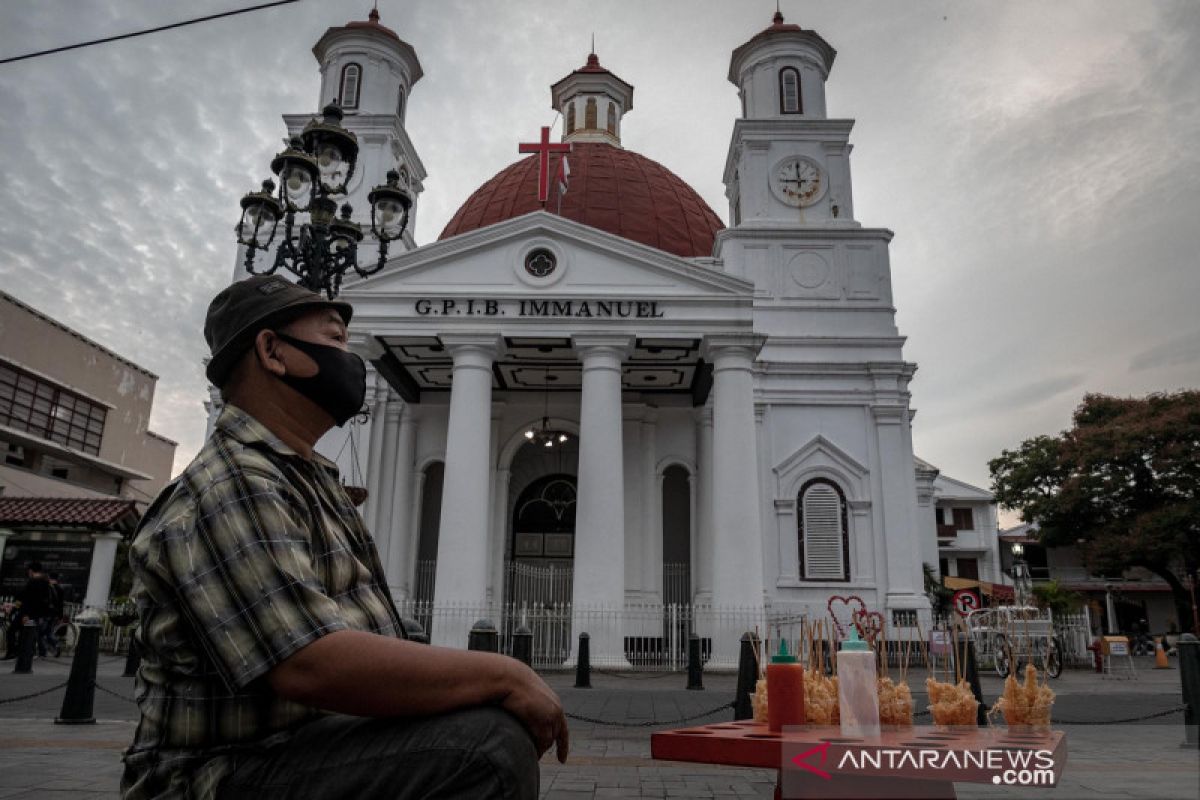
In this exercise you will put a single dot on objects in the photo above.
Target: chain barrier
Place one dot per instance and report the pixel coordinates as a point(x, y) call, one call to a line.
point(1153, 715)
point(19, 698)
point(641, 676)
point(114, 694)
point(652, 722)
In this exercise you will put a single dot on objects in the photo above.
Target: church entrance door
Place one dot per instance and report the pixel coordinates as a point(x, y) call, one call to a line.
point(539, 573)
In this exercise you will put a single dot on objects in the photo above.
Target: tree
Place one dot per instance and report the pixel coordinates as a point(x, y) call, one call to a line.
point(1123, 483)
point(1054, 596)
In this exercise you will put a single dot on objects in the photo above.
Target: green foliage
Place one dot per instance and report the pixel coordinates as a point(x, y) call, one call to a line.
point(939, 596)
point(1056, 597)
point(1123, 483)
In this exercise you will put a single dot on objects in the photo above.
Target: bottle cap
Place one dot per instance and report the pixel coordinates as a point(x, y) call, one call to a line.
point(783, 656)
point(853, 643)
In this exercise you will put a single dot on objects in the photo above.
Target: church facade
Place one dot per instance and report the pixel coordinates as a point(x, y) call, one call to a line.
point(608, 400)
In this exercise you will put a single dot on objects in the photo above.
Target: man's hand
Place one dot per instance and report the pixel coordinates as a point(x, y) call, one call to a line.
point(538, 708)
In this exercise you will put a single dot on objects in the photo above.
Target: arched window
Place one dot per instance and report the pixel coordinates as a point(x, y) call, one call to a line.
point(789, 91)
point(612, 118)
point(351, 80)
point(589, 114)
point(570, 117)
point(400, 104)
point(824, 538)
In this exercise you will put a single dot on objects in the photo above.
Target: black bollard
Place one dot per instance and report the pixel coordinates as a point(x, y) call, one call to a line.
point(583, 663)
point(695, 668)
point(26, 639)
point(133, 659)
point(522, 645)
point(413, 631)
point(81, 685)
point(483, 637)
point(1188, 648)
point(747, 678)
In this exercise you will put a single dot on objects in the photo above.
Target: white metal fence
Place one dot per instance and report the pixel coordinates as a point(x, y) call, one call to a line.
point(639, 636)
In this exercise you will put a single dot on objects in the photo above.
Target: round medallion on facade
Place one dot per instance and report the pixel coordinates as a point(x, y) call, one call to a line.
point(809, 270)
point(540, 262)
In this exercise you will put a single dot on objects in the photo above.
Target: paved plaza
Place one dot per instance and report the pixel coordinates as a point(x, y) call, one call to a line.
point(39, 759)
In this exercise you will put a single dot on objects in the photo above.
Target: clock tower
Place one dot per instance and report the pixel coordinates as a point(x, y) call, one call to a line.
point(831, 383)
point(788, 164)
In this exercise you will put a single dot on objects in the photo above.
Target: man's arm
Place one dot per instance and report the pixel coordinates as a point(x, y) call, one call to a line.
point(364, 674)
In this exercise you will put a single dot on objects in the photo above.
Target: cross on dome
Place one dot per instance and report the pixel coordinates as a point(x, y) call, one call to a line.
point(543, 149)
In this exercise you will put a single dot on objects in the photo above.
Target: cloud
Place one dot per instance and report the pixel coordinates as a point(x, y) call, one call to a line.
point(1178, 352)
point(1036, 161)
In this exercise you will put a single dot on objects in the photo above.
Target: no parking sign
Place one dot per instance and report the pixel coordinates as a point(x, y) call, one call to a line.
point(965, 601)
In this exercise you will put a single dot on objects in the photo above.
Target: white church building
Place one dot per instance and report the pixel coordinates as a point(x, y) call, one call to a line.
point(619, 405)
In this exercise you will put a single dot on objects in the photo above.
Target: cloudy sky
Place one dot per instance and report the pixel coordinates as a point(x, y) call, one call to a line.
point(1039, 163)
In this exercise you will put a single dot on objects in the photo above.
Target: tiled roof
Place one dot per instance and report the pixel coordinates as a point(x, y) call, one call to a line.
point(372, 23)
point(69, 512)
point(612, 189)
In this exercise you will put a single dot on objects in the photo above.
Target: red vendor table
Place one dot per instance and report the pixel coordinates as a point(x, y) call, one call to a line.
point(921, 761)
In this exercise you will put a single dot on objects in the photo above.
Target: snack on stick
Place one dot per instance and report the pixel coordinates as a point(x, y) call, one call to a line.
point(895, 703)
point(820, 698)
point(950, 703)
point(758, 701)
point(1027, 704)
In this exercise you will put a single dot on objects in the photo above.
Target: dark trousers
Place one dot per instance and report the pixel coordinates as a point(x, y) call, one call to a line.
point(472, 753)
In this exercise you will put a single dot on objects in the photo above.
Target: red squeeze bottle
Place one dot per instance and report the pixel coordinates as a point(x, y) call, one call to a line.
point(785, 690)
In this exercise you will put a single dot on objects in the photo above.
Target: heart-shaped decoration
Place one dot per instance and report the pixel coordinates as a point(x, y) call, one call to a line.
point(842, 611)
point(869, 624)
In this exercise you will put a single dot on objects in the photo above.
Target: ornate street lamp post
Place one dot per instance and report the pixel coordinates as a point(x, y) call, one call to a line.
point(316, 166)
point(1022, 585)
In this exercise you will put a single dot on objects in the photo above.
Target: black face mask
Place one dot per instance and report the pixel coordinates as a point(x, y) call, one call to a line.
point(340, 385)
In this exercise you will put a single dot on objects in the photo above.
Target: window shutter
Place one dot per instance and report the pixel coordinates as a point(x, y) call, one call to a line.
point(821, 512)
point(789, 81)
point(350, 78)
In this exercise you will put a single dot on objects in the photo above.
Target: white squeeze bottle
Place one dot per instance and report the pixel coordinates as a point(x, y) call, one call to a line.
point(858, 694)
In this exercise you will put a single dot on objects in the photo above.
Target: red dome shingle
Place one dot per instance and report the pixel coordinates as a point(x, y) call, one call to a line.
point(615, 190)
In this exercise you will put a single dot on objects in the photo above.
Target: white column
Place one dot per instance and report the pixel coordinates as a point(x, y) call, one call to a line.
point(104, 558)
point(375, 452)
point(495, 538)
point(599, 580)
point(702, 554)
point(652, 514)
point(382, 532)
point(461, 585)
point(737, 527)
point(414, 524)
point(899, 496)
point(398, 564)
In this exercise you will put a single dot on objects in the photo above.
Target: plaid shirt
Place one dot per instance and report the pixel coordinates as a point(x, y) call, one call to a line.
point(251, 554)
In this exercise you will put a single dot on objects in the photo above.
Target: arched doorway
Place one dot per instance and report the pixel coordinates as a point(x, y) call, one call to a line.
point(543, 541)
point(540, 546)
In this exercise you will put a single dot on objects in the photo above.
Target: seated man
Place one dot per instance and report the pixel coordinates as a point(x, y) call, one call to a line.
point(274, 662)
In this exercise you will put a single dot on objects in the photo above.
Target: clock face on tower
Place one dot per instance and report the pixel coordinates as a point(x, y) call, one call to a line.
point(798, 181)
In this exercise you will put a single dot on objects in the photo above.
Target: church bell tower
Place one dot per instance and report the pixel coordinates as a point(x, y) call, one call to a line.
point(370, 72)
point(789, 164)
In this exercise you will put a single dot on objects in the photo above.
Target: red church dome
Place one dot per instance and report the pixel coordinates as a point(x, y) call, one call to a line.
point(612, 189)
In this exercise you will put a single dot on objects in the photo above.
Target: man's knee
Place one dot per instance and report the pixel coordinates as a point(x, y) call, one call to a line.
point(506, 745)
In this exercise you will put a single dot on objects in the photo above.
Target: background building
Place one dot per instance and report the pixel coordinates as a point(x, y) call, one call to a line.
point(1116, 602)
point(77, 458)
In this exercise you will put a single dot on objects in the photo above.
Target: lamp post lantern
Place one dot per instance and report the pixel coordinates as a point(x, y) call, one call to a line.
point(317, 166)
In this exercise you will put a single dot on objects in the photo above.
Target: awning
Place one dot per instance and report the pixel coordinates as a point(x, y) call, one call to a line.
point(998, 591)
